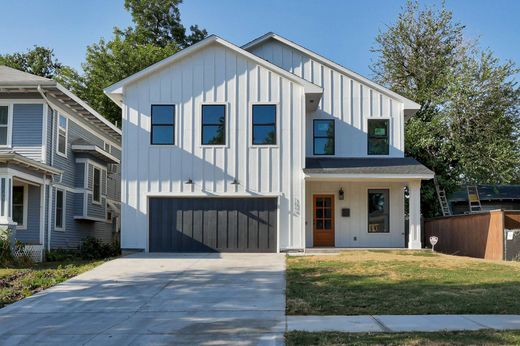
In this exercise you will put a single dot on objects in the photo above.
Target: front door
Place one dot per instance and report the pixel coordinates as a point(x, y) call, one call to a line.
point(323, 220)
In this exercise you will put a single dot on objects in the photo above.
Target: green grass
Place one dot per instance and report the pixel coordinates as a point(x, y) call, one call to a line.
point(18, 283)
point(400, 282)
point(484, 337)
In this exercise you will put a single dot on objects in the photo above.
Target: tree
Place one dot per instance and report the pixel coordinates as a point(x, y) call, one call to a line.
point(41, 61)
point(157, 34)
point(466, 129)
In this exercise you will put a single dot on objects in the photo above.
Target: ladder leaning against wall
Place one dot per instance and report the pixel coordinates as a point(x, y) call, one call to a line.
point(473, 199)
point(443, 200)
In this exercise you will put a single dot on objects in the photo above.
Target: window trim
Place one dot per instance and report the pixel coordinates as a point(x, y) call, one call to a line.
point(10, 110)
point(58, 128)
point(175, 121)
point(64, 204)
point(384, 188)
point(314, 137)
point(94, 168)
point(389, 119)
point(226, 124)
point(276, 124)
point(23, 225)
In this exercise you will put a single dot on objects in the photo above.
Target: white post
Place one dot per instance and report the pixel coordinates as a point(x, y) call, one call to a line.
point(6, 188)
point(414, 239)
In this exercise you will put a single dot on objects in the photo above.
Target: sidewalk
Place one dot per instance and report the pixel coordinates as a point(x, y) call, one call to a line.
point(401, 323)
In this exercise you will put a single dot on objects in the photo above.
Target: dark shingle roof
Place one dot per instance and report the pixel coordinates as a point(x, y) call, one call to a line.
point(397, 166)
point(488, 193)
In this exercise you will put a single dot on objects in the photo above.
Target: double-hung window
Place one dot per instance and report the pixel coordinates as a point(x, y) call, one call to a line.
point(323, 137)
point(20, 206)
point(163, 125)
point(60, 209)
point(264, 124)
point(96, 186)
point(4, 124)
point(378, 211)
point(213, 125)
point(61, 145)
point(378, 136)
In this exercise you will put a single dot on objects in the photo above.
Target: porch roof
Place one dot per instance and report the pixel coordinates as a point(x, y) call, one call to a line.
point(377, 167)
point(13, 157)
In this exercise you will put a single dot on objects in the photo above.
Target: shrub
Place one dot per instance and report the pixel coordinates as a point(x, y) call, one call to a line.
point(6, 253)
point(62, 255)
point(92, 248)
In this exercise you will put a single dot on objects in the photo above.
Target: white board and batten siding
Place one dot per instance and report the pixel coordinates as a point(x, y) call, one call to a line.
point(345, 98)
point(213, 75)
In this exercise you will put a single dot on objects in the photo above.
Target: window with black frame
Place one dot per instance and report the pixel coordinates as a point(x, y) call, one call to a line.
point(163, 125)
point(378, 211)
point(213, 125)
point(264, 124)
point(378, 143)
point(323, 137)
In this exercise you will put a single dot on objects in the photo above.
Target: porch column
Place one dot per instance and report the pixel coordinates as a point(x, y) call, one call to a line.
point(6, 188)
point(414, 239)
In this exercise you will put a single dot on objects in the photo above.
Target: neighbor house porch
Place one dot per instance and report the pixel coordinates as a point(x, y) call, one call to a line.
point(360, 203)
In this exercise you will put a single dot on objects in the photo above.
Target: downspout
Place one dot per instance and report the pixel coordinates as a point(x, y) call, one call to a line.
point(49, 195)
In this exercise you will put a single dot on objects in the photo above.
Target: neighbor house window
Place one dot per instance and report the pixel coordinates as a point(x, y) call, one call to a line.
point(323, 137)
point(378, 213)
point(60, 211)
point(163, 125)
point(264, 124)
point(96, 187)
point(4, 124)
point(19, 206)
point(378, 136)
point(62, 135)
point(213, 124)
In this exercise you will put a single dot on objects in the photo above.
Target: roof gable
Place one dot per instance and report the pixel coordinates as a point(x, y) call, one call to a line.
point(408, 104)
point(115, 91)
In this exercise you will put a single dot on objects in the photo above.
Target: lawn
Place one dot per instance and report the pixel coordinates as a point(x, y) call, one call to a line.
point(400, 282)
point(18, 283)
point(484, 337)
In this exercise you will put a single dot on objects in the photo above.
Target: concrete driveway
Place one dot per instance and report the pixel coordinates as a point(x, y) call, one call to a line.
point(155, 299)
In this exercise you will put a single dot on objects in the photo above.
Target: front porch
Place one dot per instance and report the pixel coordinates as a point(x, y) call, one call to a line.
point(360, 203)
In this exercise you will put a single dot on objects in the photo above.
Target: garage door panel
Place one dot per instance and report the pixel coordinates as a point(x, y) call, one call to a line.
point(212, 224)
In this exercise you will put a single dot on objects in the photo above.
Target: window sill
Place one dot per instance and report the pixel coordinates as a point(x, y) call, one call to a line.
point(59, 229)
point(61, 154)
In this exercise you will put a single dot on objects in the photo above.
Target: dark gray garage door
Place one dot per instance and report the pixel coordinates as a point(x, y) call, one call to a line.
point(212, 224)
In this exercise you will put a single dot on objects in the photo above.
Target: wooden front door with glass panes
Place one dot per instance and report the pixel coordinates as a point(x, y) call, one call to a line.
point(323, 222)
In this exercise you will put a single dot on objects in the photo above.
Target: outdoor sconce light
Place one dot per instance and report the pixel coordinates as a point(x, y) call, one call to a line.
point(235, 182)
point(189, 182)
point(341, 194)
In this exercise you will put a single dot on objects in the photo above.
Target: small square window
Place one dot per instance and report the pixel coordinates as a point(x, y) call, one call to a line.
point(323, 137)
point(378, 143)
point(163, 125)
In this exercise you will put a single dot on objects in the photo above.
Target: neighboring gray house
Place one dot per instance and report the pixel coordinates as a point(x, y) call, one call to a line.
point(59, 164)
point(492, 197)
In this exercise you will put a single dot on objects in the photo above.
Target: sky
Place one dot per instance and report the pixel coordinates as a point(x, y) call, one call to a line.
point(341, 30)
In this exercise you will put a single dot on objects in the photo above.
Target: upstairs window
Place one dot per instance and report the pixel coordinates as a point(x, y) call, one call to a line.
point(163, 125)
point(96, 186)
point(4, 124)
point(264, 124)
point(323, 137)
point(378, 137)
point(213, 125)
point(62, 135)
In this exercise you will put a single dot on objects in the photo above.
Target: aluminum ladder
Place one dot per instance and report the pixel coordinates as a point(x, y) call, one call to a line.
point(473, 199)
point(443, 200)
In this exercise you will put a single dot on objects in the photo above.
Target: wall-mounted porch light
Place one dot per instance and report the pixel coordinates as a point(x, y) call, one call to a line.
point(341, 194)
point(235, 182)
point(189, 182)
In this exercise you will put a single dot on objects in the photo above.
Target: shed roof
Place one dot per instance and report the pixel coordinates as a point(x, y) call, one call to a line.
point(488, 193)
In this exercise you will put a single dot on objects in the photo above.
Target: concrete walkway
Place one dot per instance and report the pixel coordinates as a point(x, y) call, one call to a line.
point(217, 299)
point(402, 323)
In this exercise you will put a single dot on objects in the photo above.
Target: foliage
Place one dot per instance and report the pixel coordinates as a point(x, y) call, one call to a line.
point(91, 248)
point(157, 34)
point(61, 255)
point(6, 253)
point(42, 62)
point(23, 281)
point(466, 128)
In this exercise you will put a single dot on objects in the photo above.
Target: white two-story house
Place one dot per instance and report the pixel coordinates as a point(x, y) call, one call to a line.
point(263, 148)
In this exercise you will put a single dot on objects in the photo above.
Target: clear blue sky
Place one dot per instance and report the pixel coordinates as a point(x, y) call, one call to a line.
point(339, 29)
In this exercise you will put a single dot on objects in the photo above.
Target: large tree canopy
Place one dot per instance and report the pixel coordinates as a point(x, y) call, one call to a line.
point(157, 33)
point(467, 127)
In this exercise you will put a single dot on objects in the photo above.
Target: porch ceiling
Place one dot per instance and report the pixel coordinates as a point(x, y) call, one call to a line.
point(399, 168)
